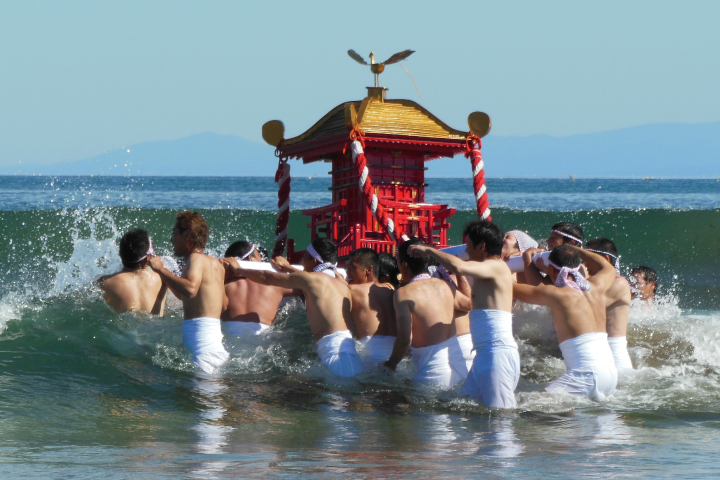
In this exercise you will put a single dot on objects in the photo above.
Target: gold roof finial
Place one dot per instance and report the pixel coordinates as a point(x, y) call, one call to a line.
point(378, 68)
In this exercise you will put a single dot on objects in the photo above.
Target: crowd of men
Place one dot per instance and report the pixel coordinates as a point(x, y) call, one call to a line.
point(453, 316)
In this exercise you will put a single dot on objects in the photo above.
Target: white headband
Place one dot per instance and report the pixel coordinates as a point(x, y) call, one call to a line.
point(252, 249)
point(150, 252)
point(616, 257)
point(323, 264)
point(567, 236)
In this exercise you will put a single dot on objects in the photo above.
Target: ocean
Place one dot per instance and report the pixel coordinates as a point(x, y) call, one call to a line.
point(87, 393)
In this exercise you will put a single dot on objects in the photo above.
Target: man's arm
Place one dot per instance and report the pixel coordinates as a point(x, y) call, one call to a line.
point(532, 273)
point(403, 318)
point(296, 280)
point(185, 287)
point(536, 295)
point(455, 265)
point(605, 277)
point(463, 301)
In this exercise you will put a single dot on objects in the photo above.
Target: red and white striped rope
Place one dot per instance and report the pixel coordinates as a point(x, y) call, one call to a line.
point(282, 178)
point(366, 188)
point(478, 166)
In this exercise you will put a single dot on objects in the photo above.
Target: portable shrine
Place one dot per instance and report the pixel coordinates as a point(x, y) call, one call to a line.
point(376, 149)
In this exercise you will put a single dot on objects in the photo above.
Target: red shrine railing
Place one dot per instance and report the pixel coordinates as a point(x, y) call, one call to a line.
point(427, 222)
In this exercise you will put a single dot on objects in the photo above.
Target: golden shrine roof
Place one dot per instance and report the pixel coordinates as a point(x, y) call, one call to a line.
point(376, 116)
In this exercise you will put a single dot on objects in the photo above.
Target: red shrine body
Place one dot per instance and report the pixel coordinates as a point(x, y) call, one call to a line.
point(398, 137)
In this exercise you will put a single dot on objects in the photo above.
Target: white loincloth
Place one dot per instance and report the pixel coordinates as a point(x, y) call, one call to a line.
point(618, 346)
point(496, 369)
point(590, 367)
point(337, 352)
point(466, 345)
point(375, 349)
point(237, 328)
point(442, 364)
point(203, 337)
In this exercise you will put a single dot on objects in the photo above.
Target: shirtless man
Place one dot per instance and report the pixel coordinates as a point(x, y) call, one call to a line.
point(496, 368)
point(201, 290)
point(644, 283)
point(373, 314)
point(251, 307)
point(327, 300)
point(575, 304)
point(563, 233)
point(135, 287)
point(424, 309)
point(617, 303)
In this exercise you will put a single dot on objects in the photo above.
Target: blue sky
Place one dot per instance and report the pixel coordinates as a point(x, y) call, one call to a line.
point(78, 78)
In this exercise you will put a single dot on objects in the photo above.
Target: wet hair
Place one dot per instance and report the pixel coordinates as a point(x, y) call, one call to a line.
point(366, 257)
point(488, 233)
point(134, 245)
point(606, 245)
point(648, 274)
point(388, 269)
point(571, 229)
point(326, 248)
point(195, 223)
point(565, 256)
point(417, 265)
point(263, 253)
point(238, 249)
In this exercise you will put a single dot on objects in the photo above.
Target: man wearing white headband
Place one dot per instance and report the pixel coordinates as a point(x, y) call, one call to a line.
point(565, 233)
point(327, 300)
point(424, 310)
point(372, 311)
point(135, 287)
point(200, 287)
point(576, 305)
point(617, 302)
point(495, 370)
point(251, 307)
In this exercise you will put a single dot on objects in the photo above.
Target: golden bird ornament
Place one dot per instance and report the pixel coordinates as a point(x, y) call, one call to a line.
point(378, 68)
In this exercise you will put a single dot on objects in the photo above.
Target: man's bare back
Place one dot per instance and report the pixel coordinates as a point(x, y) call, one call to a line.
point(372, 310)
point(431, 303)
point(327, 300)
point(248, 301)
point(135, 290)
point(200, 287)
point(574, 313)
point(617, 302)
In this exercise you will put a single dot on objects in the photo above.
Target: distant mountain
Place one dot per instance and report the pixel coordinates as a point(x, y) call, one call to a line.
point(661, 150)
point(204, 154)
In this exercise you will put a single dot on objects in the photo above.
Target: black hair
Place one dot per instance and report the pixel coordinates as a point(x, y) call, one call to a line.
point(489, 233)
point(366, 257)
point(604, 245)
point(133, 246)
point(648, 274)
point(263, 253)
point(570, 229)
point(238, 249)
point(326, 248)
point(388, 269)
point(565, 256)
point(417, 265)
